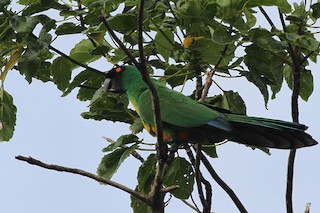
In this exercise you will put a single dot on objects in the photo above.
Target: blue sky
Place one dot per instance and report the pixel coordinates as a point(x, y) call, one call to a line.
point(51, 129)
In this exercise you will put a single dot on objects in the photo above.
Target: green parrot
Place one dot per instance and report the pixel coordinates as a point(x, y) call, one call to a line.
point(186, 120)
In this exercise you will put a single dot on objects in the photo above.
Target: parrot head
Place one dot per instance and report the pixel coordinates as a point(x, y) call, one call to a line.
point(113, 82)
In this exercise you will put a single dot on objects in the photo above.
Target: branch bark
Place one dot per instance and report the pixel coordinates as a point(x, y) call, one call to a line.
point(36, 162)
point(295, 54)
point(223, 185)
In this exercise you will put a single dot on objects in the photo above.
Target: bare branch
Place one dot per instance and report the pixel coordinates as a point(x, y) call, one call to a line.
point(267, 17)
point(119, 42)
point(190, 205)
point(295, 54)
point(206, 201)
point(36, 162)
point(142, 57)
point(307, 210)
point(207, 86)
point(223, 185)
point(170, 188)
point(71, 59)
point(156, 195)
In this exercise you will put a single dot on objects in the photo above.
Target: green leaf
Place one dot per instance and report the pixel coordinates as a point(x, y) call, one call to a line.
point(283, 5)
point(61, 72)
point(69, 28)
point(82, 52)
point(43, 5)
point(177, 75)
point(210, 150)
point(264, 69)
point(211, 52)
point(23, 24)
point(7, 116)
point(4, 3)
point(111, 162)
point(123, 140)
point(123, 22)
point(80, 79)
point(137, 126)
point(29, 68)
point(232, 101)
point(221, 35)
point(28, 2)
point(110, 106)
point(164, 43)
point(146, 174)
point(316, 10)
point(306, 82)
point(180, 173)
point(256, 79)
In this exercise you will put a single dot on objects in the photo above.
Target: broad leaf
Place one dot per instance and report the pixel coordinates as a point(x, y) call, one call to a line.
point(123, 140)
point(61, 72)
point(306, 81)
point(82, 52)
point(123, 22)
point(146, 174)
point(23, 24)
point(137, 126)
point(111, 162)
point(7, 116)
point(180, 173)
point(69, 28)
point(283, 5)
point(210, 150)
point(110, 106)
point(164, 43)
point(232, 101)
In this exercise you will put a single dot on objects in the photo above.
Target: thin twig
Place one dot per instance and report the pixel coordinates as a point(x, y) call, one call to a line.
point(207, 86)
point(223, 185)
point(190, 205)
point(308, 206)
point(119, 42)
point(142, 57)
point(267, 17)
point(134, 153)
point(36, 162)
point(199, 179)
point(206, 201)
point(199, 86)
point(71, 59)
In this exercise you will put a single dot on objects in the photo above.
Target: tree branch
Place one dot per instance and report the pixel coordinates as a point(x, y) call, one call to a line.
point(119, 42)
point(156, 195)
point(206, 201)
point(223, 185)
point(267, 17)
point(36, 162)
point(71, 59)
point(296, 69)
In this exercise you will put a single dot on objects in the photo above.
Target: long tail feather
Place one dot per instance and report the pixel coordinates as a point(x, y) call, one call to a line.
point(261, 132)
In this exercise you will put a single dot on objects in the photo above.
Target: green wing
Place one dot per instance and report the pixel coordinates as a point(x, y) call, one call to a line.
point(176, 109)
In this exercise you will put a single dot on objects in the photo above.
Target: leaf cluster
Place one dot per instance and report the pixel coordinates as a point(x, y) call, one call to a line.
point(186, 39)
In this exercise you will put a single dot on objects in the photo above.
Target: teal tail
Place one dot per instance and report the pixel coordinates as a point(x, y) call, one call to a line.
point(258, 132)
point(262, 132)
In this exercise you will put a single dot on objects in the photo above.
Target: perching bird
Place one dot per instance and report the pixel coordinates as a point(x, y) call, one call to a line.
point(186, 120)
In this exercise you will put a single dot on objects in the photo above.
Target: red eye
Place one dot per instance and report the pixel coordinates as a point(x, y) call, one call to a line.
point(118, 69)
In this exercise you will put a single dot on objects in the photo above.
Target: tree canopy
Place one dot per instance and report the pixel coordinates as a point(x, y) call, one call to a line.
point(181, 41)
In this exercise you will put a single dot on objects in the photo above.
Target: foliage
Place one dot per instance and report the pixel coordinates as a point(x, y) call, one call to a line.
point(182, 38)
